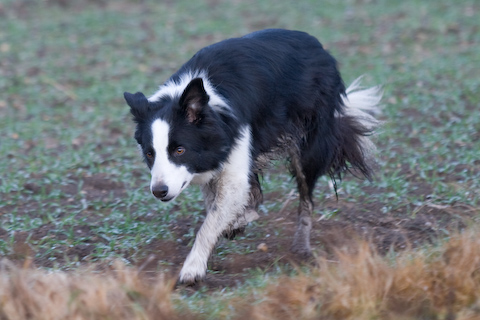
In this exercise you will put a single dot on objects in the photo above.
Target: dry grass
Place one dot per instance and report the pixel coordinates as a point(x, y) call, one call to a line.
point(116, 294)
point(439, 283)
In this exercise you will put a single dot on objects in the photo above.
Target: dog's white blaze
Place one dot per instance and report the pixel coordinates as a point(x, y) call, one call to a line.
point(163, 171)
point(225, 203)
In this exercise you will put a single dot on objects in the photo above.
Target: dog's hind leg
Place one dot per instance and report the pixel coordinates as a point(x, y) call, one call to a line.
point(255, 199)
point(301, 240)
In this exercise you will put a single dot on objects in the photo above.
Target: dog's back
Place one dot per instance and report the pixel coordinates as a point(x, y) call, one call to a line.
point(287, 88)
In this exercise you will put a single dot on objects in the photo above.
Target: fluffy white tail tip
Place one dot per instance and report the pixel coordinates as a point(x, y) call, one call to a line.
point(363, 103)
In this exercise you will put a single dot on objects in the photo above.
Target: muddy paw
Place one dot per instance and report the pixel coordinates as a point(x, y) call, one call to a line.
point(238, 226)
point(301, 241)
point(301, 249)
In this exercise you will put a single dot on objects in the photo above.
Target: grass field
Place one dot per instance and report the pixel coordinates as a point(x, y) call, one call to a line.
point(74, 191)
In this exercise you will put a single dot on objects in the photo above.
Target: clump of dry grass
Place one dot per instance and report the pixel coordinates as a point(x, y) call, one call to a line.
point(435, 283)
point(443, 283)
point(117, 294)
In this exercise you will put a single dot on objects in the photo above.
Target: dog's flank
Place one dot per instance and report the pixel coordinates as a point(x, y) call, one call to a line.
point(238, 103)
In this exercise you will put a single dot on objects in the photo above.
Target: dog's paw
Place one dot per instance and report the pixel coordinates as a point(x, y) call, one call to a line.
point(238, 226)
point(190, 279)
point(231, 234)
point(191, 274)
point(301, 244)
point(301, 240)
point(301, 250)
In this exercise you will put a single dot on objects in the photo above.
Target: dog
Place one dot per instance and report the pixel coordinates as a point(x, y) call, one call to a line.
point(235, 105)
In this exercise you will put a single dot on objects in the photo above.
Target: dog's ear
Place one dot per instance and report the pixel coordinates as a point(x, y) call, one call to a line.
point(193, 100)
point(138, 104)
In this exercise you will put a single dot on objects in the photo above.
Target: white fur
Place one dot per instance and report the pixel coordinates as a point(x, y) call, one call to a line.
point(226, 197)
point(362, 104)
point(175, 89)
point(163, 171)
point(204, 177)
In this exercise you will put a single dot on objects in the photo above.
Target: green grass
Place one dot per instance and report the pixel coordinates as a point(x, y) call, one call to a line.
point(63, 119)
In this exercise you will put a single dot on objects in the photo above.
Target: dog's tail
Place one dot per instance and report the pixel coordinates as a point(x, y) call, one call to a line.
point(356, 124)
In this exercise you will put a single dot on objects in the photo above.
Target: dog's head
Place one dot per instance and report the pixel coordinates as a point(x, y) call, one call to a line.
point(180, 137)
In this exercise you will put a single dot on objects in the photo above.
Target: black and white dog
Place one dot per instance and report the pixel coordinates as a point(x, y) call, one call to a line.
point(233, 106)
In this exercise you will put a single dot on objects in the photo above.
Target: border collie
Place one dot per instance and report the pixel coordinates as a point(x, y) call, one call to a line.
point(238, 103)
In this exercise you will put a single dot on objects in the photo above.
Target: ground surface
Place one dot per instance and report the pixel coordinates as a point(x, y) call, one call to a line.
point(263, 247)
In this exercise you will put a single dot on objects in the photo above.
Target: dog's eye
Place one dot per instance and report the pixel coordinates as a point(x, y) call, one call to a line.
point(149, 155)
point(179, 151)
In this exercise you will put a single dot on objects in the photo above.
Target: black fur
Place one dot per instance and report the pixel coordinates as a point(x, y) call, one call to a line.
point(283, 83)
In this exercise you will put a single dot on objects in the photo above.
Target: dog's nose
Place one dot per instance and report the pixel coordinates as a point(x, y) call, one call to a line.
point(160, 191)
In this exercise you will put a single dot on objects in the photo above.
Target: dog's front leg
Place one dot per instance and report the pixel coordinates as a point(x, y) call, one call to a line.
point(226, 197)
point(229, 201)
